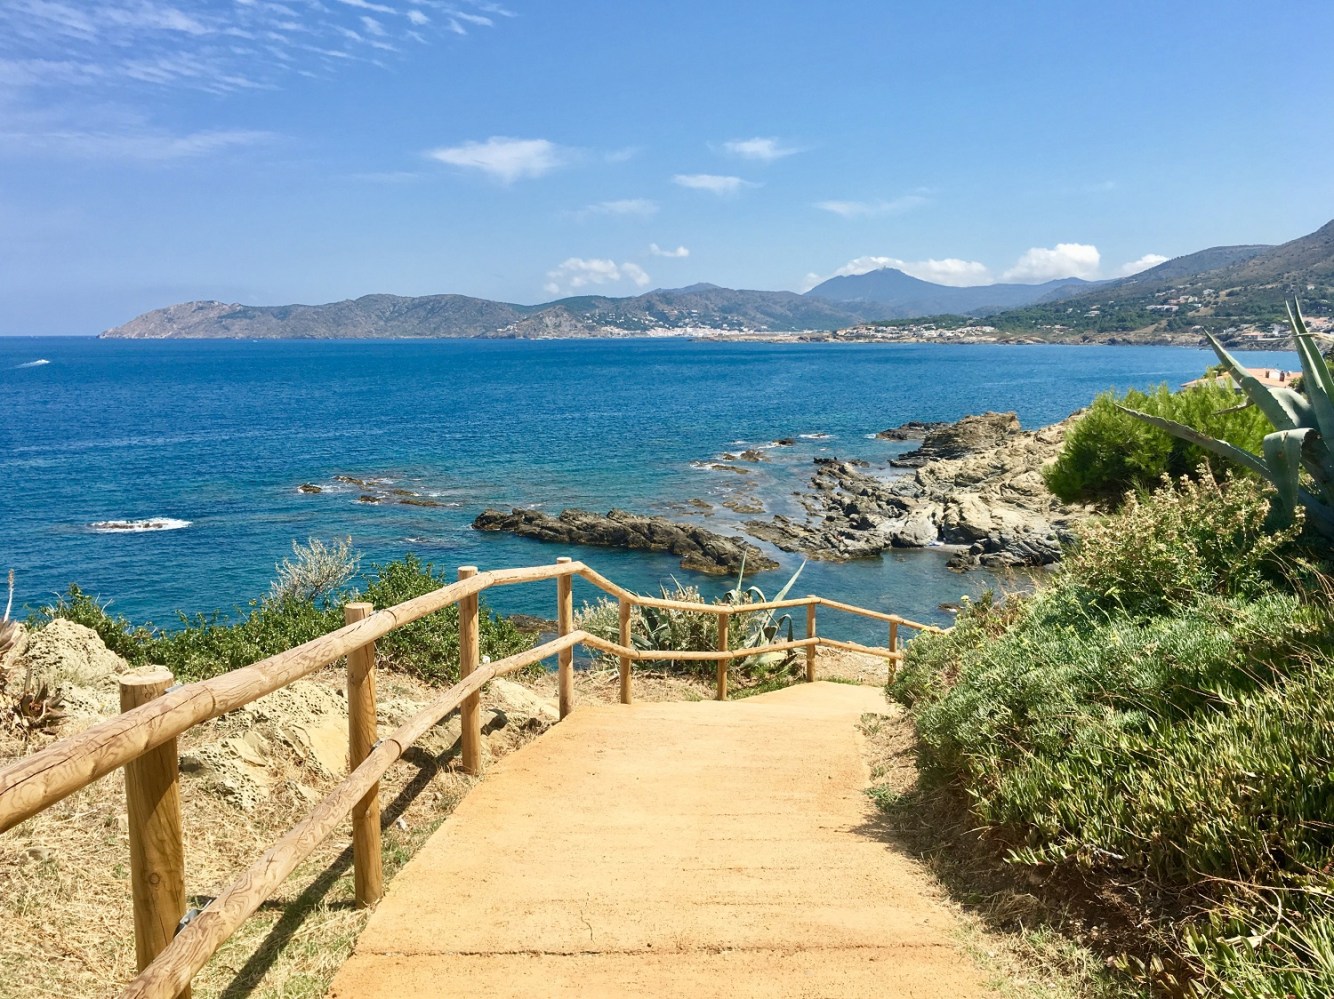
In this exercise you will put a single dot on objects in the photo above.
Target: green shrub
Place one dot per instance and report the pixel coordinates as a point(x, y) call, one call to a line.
point(1160, 716)
point(1203, 537)
point(1108, 452)
point(208, 644)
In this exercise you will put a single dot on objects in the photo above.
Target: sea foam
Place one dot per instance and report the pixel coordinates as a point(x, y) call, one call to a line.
point(33, 364)
point(139, 526)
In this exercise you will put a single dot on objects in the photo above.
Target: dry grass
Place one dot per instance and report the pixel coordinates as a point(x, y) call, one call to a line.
point(65, 914)
point(1030, 937)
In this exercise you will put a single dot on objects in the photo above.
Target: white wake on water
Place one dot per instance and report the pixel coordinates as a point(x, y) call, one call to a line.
point(33, 364)
point(139, 526)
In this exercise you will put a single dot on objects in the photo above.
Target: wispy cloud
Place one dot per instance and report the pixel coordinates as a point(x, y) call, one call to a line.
point(765, 150)
point(214, 47)
point(713, 183)
point(632, 207)
point(679, 253)
point(504, 159)
point(142, 144)
point(871, 209)
point(577, 273)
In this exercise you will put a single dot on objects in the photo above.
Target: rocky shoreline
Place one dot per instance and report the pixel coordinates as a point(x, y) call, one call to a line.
point(700, 549)
point(977, 486)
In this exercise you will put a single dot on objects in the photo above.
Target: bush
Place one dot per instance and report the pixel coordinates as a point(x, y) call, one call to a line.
point(209, 644)
point(1203, 537)
point(1108, 453)
point(666, 630)
point(1159, 717)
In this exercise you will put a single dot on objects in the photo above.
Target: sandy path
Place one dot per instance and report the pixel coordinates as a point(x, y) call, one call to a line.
point(667, 849)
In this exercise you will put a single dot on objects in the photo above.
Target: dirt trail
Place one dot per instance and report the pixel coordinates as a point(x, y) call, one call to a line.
point(699, 849)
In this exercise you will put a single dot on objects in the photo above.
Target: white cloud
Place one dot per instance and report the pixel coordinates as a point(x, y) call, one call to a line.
point(1041, 263)
point(658, 251)
point(950, 271)
point(576, 273)
point(869, 209)
point(764, 150)
point(711, 182)
point(635, 207)
point(418, 18)
point(1142, 264)
point(503, 158)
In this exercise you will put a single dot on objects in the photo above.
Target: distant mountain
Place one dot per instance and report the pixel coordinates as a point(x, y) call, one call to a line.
point(1224, 287)
point(907, 296)
point(392, 316)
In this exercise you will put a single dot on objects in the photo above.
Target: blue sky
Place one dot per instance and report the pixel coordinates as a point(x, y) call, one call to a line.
point(275, 151)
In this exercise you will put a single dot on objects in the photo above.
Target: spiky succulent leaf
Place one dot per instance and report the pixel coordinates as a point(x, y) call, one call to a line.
point(1284, 408)
point(1283, 455)
point(1317, 379)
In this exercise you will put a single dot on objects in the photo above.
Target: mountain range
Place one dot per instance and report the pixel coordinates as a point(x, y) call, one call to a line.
point(1241, 283)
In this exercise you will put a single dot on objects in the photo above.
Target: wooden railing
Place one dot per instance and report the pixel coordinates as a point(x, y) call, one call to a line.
point(142, 739)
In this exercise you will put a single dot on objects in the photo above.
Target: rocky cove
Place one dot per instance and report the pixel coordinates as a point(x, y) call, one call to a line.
point(975, 488)
point(977, 485)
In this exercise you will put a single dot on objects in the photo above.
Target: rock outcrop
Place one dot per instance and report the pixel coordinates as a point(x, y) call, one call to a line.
point(700, 549)
point(954, 440)
point(988, 499)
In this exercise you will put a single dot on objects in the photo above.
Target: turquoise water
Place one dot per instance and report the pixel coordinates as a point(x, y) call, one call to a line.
point(220, 434)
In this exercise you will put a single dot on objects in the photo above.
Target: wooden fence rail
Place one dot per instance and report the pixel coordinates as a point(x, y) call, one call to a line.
point(142, 739)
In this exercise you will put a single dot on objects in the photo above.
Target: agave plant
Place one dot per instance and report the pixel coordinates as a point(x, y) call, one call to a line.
point(1303, 435)
point(762, 626)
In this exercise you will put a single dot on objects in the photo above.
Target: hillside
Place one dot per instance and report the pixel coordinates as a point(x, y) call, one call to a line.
point(1235, 291)
point(908, 296)
point(392, 316)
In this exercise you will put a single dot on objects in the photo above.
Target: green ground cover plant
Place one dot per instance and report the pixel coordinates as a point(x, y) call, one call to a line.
point(296, 611)
point(1158, 722)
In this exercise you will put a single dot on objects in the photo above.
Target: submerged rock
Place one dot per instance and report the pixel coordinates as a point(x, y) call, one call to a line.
point(700, 549)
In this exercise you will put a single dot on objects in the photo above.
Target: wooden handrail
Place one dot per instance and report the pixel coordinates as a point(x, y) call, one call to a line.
point(201, 938)
point(48, 776)
point(32, 784)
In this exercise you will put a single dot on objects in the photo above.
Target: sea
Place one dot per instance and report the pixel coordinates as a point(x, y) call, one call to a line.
point(207, 443)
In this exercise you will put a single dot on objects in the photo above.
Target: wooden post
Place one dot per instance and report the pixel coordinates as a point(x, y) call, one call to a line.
point(724, 619)
point(810, 649)
point(624, 640)
point(368, 873)
point(893, 636)
point(565, 625)
point(470, 657)
point(157, 854)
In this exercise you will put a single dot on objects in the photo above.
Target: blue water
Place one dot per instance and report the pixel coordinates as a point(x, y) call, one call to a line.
point(220, 434)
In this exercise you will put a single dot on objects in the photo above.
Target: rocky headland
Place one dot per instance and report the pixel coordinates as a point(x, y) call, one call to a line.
point(700, 549)
point(977, 485)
